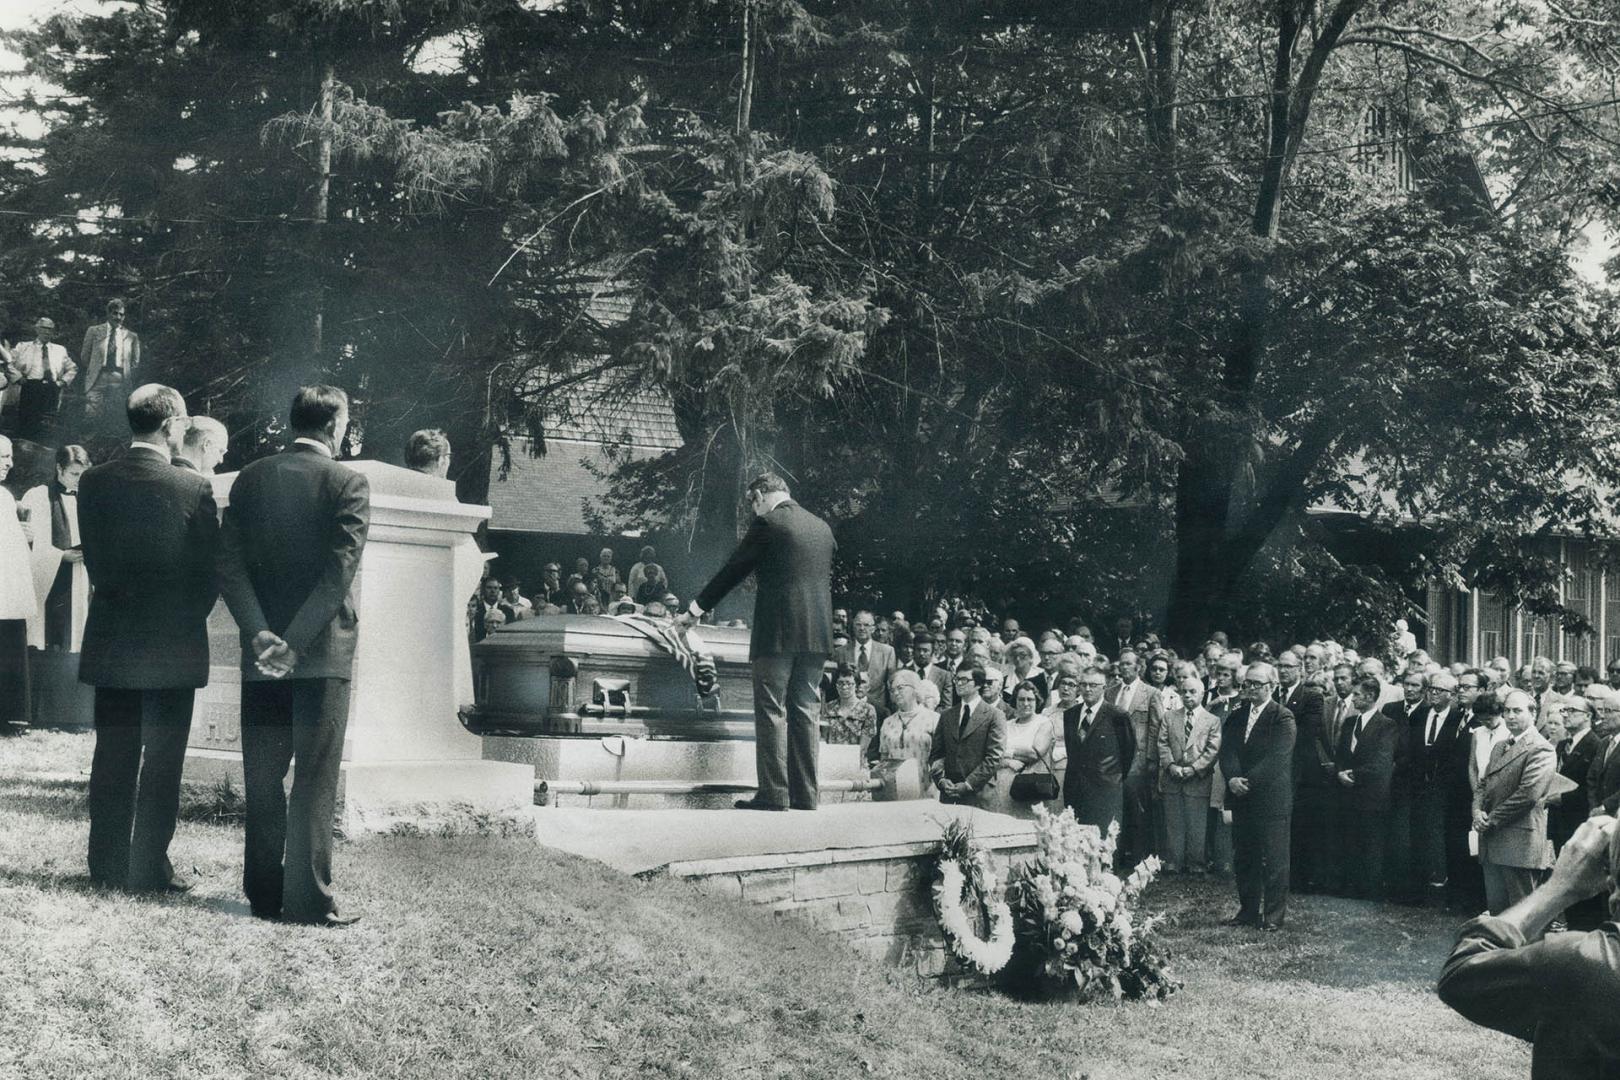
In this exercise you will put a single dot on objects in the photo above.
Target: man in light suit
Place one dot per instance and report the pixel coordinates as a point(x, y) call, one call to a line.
point(110, 355)
point(1509, 814)
point(1257, 759)
point(969, 742)
point(148, 531)
point(1134, 697)
point(41, 370)
point(866, 654)
point(1189, 744)
point(1100, 745)
point(790, 552)
point(293, 536)
point(1364, 765)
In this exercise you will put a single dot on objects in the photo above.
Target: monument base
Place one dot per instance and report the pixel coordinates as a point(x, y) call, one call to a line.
point(432, 797)
point(862, 872)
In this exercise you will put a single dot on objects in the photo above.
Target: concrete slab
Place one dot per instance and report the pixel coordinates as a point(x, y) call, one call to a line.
point(644, 841)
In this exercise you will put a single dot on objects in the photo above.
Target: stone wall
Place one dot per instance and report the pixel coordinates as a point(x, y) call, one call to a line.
point(877, 900)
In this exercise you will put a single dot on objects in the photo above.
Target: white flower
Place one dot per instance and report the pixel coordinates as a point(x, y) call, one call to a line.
point(1072, 922)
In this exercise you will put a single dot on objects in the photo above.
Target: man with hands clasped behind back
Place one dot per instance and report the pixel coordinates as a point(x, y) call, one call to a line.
point(292, 538)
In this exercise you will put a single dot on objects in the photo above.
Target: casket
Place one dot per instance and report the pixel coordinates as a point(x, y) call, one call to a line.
point(593, 675)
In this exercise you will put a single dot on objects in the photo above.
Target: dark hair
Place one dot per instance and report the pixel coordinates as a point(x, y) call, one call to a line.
point(653, 571)
point(921, 637)
point(426, 448)
point(1587, 672)
point(72, 455)
point(315, 408)
point(150, 406)
point(1369, 684)
point(844, 672)
point(1487, 705)
point(648, 552)
point(115, 304)
point(980, 676)
point(765, 483)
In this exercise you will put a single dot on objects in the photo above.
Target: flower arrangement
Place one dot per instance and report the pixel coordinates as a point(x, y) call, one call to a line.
point(1075, 919)
point(968, 899)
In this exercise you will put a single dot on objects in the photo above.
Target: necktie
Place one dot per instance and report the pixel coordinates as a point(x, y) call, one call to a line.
point(1355, 733)
point(1186, 733)
point(862, 664)
point(1434, 727)
point(112, 348)
point(1085, 722)
point(1124, 693)
point(967, 711)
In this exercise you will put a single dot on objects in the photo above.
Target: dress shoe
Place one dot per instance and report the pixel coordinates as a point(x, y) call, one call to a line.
point(1272, 925)
point(755, 804)
point(177, 888)
point(1240, 920)
point(267, 916)
point(331, 920)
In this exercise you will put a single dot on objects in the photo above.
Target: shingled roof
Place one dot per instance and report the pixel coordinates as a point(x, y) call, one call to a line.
point(549, 494)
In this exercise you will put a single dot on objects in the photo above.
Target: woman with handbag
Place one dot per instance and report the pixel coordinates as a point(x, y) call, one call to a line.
point(1025, 778)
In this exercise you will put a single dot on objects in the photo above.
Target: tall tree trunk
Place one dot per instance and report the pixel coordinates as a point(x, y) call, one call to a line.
point(318, 215)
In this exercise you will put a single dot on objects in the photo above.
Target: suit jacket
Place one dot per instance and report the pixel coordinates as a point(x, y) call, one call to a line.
point(1602, 779)
point(880, 664)
point(1200, 750)
point(294, 531)
point(1510, 794)
point(1407, 721)
point(789, 551)
point(1373, 761)
point(942, 680)
point(149, 533)
point(93, 354)
point(1573, 808)
point(1265, 758)
point(1313, 746)
point(1142, 707)
point(970, 754)
point(1105, 756)
point(1429, 764)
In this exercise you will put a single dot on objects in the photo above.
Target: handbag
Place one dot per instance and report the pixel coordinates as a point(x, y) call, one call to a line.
point(1028, 787)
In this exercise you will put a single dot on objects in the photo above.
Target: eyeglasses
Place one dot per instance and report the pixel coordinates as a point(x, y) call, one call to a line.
point(964, 678)
point(1255, 684)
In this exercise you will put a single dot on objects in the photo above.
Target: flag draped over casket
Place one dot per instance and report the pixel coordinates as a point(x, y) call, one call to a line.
point(684, 644)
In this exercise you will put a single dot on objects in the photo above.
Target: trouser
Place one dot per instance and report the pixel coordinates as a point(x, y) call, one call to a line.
point(1363, 840)
point(1311, 842)
point(786, 734)
point(287, 861)
point(39, 405)
point(1399, 871)
point(1506, 885)
point(59, 609)
point(1465, 888)
point(1260, 863)
point(105, 402)
point(135, 784)
point(1184, 820)
point(15, 695)
point(1137, 832)
point(1428, 841)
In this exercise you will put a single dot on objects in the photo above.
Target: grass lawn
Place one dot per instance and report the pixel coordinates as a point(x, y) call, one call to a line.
point(489, 957)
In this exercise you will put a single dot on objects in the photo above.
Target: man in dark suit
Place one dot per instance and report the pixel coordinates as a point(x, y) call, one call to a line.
point(1410, 715)
point(148, 531)
point(1100, 742)
point(1365, 764)
point(1431, 755)
point(1465, 889)
point(866, 654)
point(1257, 760)
point(1311, 830)
point(790, 552)
point(488, 612)
point(1567, 812)
point(922, 662)
point(294, 531)
point(969, 742)
point(1603, 778)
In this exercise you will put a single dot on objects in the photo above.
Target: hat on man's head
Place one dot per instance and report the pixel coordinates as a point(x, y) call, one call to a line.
point(510, 581)
point(45, 321)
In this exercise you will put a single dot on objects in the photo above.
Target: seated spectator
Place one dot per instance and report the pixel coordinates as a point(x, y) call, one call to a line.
point(1555, 992)
point(487, 612)
point(638, 573)
point(581, 602)
point(551, 590)
point(428, 451)
point(909, 731)
point(845, 718)
point(625, 606)
point(653, 583)
point(512, 594)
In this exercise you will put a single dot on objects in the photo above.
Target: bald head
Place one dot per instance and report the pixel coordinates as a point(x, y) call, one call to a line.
point(152, 409)
point(204, 443)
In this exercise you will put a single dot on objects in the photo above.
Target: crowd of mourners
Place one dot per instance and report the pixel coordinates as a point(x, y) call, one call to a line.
point(588, 590)
point(1313, 768)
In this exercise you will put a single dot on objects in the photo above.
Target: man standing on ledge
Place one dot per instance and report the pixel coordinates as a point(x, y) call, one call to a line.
point(294, 529)
point(790, 551)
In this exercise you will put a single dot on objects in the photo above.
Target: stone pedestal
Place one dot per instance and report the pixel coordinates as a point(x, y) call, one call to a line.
point(406, 757)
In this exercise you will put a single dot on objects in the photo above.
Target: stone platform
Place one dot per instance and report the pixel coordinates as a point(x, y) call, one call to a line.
point(860, 870)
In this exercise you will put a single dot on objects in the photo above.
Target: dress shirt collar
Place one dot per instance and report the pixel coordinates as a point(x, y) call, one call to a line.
point(316, 443)
point(150, 448)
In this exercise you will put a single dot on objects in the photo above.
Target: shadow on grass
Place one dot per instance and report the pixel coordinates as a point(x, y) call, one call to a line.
point(59, 800)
